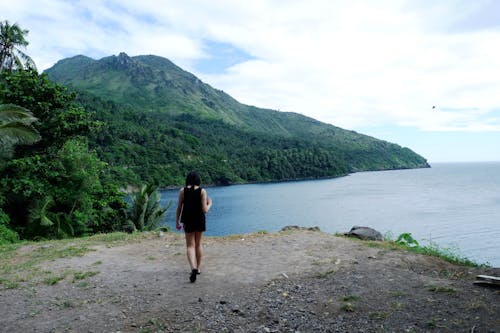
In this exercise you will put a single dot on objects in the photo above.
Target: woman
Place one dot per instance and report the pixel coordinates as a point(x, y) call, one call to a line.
point(192, 206)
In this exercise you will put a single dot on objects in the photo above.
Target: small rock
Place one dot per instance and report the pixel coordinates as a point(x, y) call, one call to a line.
point(365, 233)
point(296, 227)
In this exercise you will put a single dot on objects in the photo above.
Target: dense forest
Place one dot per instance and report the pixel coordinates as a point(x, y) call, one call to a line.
point(52, 185)
point(159, 121)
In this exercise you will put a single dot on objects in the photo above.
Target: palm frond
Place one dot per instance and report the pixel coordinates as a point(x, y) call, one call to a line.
point(146, 212)
point(27, 60)
point(18, 133)
point(39, 213)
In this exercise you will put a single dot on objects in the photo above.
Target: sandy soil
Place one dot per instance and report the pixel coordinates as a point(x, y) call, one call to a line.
point(298, 281)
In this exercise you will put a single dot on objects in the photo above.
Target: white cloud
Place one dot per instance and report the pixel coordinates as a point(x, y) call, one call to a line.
point(349, 63)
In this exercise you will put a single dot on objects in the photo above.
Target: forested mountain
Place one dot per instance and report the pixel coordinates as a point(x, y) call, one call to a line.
point(159, 122)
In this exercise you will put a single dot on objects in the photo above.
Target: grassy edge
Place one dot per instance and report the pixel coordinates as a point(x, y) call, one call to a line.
point(432, 250)
point(20, 262)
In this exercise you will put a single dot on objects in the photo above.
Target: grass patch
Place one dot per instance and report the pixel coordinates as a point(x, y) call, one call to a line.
point(441, 289)
point(20, 262)
point(117, 237)
point(52, 253)
point(83, 275)
point(348, 307)
point(434, 323)
point(21, 265)
point(409, 243)
point(66, 304)
point(53, 279)
point(405, 241)
point(8, 284)
point(348, 300)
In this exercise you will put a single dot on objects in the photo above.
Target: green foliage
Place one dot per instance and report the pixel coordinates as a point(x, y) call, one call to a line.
point(15, 128)
point(58, 187)
point(407, 240)
point(62, 191)
point(146, 212)
point(7, 236)
point(60, 118)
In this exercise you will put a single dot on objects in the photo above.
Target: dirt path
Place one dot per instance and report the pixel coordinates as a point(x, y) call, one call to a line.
point(286, 282)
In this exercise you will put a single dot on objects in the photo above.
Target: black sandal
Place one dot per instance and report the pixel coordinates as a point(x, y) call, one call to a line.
point(194, 272)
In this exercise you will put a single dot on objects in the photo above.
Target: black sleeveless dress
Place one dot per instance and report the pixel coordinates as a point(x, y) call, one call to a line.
point(192, 215)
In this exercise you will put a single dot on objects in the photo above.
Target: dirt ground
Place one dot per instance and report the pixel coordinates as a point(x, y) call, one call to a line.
point(300, 281)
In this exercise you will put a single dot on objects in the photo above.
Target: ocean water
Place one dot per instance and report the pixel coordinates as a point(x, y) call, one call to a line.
point(454, 205)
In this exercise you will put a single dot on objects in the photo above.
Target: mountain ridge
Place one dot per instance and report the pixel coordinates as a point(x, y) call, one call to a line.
point(192, 114)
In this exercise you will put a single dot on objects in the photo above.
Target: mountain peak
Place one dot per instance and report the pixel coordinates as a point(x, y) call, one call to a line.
point(123, 59)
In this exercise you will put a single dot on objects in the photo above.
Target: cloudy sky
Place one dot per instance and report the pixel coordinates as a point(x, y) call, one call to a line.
point(424, 74)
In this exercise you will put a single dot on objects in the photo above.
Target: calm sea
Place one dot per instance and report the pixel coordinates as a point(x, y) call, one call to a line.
point(455, 205)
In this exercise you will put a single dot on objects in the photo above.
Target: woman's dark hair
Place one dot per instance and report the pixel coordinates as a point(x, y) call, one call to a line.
point(193, 178)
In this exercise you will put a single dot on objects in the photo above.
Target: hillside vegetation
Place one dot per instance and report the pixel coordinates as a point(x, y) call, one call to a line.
point(159, 121)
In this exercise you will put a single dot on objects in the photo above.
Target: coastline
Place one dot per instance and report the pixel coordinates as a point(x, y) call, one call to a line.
point(173, 187)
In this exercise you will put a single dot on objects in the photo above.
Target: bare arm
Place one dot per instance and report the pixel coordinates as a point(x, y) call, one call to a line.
point(206, 201)
point(179, 208)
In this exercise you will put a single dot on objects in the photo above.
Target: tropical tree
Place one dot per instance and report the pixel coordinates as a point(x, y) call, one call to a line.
point(11, 40)
point(16, 128)
point(146, 212)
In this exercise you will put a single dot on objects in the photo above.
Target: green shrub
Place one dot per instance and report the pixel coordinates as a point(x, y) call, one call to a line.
point(7, 236)
point(406, 239)
point(408, 242)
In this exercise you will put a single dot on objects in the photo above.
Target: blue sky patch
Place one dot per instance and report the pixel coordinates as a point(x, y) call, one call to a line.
point(220, 56)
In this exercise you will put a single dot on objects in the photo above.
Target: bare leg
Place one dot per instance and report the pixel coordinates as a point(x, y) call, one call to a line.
point(199, 248)
point(191, 249)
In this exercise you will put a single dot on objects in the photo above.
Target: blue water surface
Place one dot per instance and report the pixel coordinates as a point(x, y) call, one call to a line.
point(455, 205)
